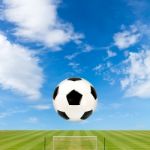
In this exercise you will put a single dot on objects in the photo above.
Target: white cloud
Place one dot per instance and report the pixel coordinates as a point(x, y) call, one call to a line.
point(71, 56)
point(10, 113)
point(42, 107)
point(4, 114)
point(111, 54)
point(98, 69)
point(139, 8)
point(137, 80)
point(75, 67)
point(107, 77)
point(126, 38)
point(109, 64)
point(87, 48)
point(115, 105)
point(19, 69)
point(32, 120)
point(41, 24)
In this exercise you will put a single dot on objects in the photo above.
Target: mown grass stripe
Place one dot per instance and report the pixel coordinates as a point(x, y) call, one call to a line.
point(29, 145)
point(72, 133)
point(135, 140)
point(115, 140)
point(57, 134)
point(129, 143)
point(40, 144)
point(112, 143)
point(143, 135)
point(37, 144)
point(50, 140)
point(93, 142)
point(121, 139)
point(19, 142)
point(61, 146)
point(7, 134)
point(15, 137)
point(100, 139)
point(6, 144)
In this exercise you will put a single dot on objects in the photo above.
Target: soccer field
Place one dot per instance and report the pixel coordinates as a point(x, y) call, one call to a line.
point(114, 140)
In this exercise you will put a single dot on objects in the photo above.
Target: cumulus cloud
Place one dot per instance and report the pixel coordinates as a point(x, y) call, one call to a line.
point(19, 69)
point(38, 21)
point(137, 80)
point(126, 38)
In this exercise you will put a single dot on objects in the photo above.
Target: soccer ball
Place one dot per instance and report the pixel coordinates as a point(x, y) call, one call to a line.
point(75, 99)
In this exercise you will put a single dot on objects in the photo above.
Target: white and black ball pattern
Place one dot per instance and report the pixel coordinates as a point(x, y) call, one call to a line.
point(75, 99)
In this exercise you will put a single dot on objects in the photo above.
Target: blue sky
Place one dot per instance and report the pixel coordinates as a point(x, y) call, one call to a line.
point(42, 42)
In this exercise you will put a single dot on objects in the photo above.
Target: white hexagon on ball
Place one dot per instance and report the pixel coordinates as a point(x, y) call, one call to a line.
point(75, 99)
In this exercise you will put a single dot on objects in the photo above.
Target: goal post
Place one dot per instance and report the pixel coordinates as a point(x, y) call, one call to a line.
point(75, 142)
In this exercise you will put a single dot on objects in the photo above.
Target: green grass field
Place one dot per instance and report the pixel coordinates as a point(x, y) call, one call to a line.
point(34, 140)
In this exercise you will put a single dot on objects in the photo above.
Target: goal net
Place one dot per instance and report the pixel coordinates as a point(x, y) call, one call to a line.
point(74, 142)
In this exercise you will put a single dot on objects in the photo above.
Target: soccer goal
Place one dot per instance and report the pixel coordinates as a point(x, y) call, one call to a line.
point(75, 143)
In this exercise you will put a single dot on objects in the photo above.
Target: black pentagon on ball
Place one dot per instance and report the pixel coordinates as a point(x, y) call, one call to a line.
point(74, 98)
point(86, 114)
point(74, 79)
point(93, 92)
point(55, 92)
point(63, 114)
